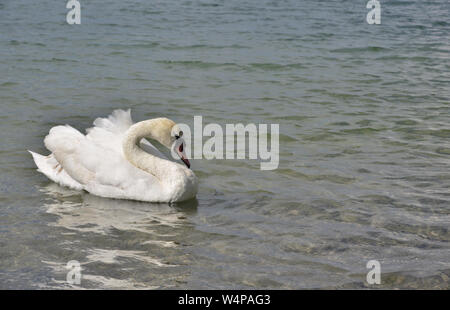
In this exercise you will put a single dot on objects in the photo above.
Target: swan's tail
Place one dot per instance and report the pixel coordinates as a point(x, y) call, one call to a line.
point(50, 167)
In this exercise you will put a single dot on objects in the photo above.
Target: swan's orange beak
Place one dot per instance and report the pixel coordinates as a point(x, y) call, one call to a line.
point(186, 162)
point(182, 155)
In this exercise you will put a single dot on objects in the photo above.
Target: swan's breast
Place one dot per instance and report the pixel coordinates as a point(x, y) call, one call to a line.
point(182, 184)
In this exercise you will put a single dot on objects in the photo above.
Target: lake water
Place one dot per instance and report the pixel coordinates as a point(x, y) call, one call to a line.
point(364, 142)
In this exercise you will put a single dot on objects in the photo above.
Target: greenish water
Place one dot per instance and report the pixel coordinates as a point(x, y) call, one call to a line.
point(364, 147)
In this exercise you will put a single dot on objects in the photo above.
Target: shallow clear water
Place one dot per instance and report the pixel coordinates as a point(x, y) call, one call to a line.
point(364, 147)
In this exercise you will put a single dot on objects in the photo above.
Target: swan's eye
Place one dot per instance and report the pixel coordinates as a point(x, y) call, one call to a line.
point(181, 133)
point(177, 137)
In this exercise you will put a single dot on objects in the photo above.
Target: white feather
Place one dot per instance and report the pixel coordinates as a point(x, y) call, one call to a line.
point(49, 166)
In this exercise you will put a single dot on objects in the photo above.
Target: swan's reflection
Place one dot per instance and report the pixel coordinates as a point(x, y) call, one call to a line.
point(125, 236)
point(81, 211)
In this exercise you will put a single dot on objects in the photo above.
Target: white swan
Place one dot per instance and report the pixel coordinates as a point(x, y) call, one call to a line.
point(115, 160)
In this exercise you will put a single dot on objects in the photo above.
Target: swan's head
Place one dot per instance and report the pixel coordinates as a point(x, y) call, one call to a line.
point(169, 134)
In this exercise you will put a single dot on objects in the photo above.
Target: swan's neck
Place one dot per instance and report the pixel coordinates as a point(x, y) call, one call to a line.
point(138, 157)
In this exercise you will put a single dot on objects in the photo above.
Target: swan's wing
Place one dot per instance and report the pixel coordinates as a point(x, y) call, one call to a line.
point(99, 168)
point(109, 133)
point(73, 152)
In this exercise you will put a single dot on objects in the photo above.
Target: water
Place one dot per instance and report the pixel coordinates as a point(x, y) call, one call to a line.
point(364, 147)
